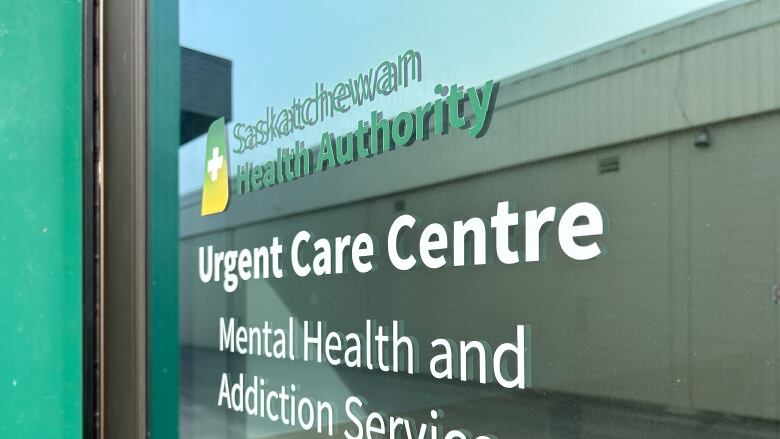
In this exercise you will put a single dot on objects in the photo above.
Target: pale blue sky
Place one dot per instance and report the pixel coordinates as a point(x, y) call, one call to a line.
point(280, 50)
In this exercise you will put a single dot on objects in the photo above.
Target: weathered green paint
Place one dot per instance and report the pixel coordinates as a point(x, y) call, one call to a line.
point(163, 233)
point(40, 223)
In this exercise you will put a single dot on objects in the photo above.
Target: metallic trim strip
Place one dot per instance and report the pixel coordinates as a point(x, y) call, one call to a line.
point(89, 220)
point(124, 223)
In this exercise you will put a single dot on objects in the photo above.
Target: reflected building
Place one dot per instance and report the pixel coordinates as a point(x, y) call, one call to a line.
point(672, 131)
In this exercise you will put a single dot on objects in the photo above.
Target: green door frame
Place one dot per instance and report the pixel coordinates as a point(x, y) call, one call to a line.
point(42, 373)
point(163, 215)
point(78, 104)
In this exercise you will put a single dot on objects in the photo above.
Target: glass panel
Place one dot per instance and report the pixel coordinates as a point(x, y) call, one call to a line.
point(458, 220)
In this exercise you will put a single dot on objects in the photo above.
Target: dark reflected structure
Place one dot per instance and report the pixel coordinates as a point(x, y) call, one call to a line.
point(206, 92)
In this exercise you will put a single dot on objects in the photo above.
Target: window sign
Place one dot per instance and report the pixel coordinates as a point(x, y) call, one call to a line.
point(536, 219)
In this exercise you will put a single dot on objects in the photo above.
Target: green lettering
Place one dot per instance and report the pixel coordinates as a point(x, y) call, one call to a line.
point(326, 153)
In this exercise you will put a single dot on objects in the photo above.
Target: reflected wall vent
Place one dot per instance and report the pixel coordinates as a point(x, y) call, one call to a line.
point(609, 164)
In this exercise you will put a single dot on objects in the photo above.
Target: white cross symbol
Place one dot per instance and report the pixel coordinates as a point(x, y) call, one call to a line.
point(214, 164)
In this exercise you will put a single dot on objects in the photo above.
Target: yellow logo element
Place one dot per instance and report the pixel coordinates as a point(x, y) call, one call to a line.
point(215, 175)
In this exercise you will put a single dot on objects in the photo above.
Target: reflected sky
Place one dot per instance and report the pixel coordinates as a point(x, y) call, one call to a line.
point(280, 50)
